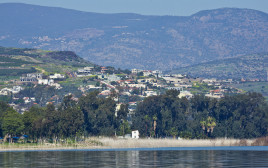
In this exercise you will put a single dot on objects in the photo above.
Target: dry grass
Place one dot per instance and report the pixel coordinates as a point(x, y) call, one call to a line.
point(110, 143)
point(156, 143)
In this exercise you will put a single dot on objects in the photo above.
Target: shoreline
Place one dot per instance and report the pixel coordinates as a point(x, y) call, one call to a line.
point(216, 148)
point(100, 144)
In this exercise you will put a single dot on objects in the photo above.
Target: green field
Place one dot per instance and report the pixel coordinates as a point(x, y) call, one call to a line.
point(260, 87)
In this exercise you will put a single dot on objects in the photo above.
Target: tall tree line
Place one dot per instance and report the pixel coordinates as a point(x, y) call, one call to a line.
point(90, 116)
point(238, 116)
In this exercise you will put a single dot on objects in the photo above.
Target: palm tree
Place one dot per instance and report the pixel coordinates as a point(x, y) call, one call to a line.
point(146, 118)
point(209, 124)
point(154, 118)
point(174, 132)
point(203, 124)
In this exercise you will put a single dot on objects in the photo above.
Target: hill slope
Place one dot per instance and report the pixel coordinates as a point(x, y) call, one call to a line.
point(136, 41)
point(18, 61)
point(248, 67)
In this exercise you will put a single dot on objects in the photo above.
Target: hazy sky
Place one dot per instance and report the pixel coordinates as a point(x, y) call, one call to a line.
point(149, 7)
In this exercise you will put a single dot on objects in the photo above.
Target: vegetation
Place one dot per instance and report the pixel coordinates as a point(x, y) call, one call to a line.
point(16, 72)
point(91, 115)
point(238, 116)
point(247, 67)
point(7, 61)
point(260, 87)
point(15, 61)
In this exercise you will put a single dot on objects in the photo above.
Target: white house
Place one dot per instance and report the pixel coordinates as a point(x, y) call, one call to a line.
point(147, 73)
point(212, 80)
point(135, 71)
point(57, 76)
point(186, 94)
point(16, 89)
point(135, 134)
point(31, 78)
point(85, 70)
point(157, 73)
point(113, 77)
point(137, 85)
point(5, 91)
point(57, 86)
point(45, 81)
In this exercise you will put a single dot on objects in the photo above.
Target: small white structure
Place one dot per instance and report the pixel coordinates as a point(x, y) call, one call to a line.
point(135, 71)
point(45, 81)
point(57, 76)
point(135, 134)
point(150, 93)
point(5, 91)
point(186, 94)
point(57, 86)
point(113, 77)
point(16, 89)
point(85, 70)
point(147, 73)
point(137, 85)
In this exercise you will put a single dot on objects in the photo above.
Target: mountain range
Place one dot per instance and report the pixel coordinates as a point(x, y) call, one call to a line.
point(250, 67)
point(136, 41)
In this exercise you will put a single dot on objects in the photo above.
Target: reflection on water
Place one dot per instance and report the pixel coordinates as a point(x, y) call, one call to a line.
point(155, 158)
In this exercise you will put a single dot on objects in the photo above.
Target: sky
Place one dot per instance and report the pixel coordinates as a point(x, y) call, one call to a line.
point(148, 7)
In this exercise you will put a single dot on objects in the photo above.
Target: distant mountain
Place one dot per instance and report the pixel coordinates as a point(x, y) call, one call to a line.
point(248, 67)
point(136, 41)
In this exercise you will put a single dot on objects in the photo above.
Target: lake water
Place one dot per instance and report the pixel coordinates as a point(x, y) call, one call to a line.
point(158, 157)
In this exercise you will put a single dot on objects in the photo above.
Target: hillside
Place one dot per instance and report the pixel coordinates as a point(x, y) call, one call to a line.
point(17, 61)
point(253, 66)
point(136, 41)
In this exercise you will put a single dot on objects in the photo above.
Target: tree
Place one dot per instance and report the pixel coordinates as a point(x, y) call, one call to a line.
point(31, 120)
point(114, 83)
point(99, 114)
point(208, 125)
point(146, 119)
point(140, 74)
point(50, 122)
point(97, 84)
point(174, 132)
point(71, 122)
point(155, 123)
point(3, 108)
point(124, 128)
point(122, 112)
point(172, 93)
point(12, 123)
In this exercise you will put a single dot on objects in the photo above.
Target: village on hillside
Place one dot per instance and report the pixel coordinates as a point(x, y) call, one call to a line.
point(126, 87)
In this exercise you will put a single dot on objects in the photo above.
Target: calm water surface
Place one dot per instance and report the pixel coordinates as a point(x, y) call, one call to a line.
point(163, 157)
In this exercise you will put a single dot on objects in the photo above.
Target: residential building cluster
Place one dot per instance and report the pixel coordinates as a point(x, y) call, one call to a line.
point(128, 88)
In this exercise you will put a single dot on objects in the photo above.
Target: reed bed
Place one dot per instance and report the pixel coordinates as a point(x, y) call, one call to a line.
point(157, 143)
point(112, 143)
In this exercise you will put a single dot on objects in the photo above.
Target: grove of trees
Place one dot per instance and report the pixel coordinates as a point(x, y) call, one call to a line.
point(238, 116)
